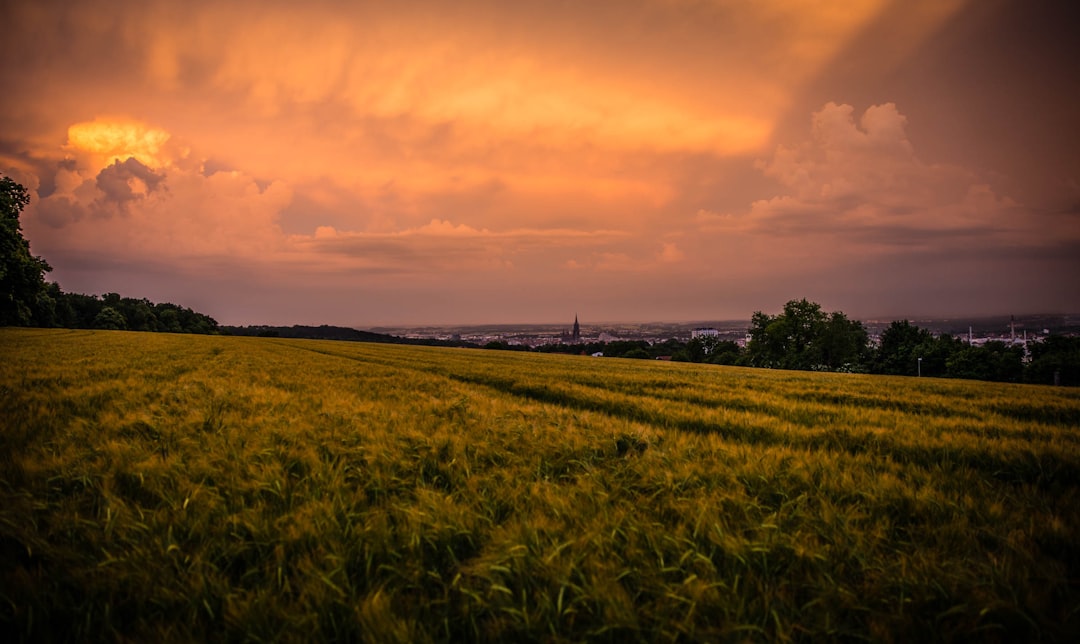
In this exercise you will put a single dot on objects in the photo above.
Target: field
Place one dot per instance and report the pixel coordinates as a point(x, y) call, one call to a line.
point(160, 487)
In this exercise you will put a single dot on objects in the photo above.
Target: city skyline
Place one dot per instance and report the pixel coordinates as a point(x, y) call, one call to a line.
point(373, 165)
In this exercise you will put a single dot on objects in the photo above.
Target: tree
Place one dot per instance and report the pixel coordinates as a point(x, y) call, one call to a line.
point(845, 344)
point(110, 318)
point(936, 353)
point(971, 363)
point(142, 317)
point(768, 346)
point(64, 314)
point(1008, 361)
point(84, 309)
point(993, 361)
point(1058, 355)
point(697, 350)
point(23, 297)
point(710, 349)
point(168, 318)
point(805, 337)
point(725, 352)
point(899, 350)
point(669, 347)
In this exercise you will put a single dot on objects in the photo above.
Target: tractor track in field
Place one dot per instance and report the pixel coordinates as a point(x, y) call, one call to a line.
point(1043, 470)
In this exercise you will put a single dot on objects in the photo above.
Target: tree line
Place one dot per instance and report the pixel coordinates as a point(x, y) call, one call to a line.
point(110, 311)
point(805, 337)
point(328, 332)
point(27, 299)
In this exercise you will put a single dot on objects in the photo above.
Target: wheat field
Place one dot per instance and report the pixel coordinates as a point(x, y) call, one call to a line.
point(158, 487)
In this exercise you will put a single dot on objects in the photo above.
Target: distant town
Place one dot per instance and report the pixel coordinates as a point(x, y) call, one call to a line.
point(1020, 329)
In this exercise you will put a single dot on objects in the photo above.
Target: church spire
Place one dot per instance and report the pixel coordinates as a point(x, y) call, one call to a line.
point(576, 334)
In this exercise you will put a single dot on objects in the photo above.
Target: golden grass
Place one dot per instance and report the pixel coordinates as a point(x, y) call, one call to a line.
point(164, 487)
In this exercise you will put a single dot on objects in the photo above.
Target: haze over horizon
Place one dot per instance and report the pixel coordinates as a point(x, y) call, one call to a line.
point(425, 163)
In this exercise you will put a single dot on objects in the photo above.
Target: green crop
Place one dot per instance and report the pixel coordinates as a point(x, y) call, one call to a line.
point(160, 487)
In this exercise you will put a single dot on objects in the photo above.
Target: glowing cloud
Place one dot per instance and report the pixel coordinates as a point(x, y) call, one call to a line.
point(111, 141)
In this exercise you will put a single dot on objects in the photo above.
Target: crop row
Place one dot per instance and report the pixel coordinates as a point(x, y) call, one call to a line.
point(176, 487)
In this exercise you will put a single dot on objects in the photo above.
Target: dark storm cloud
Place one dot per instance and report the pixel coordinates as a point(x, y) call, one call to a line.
point(127, 180)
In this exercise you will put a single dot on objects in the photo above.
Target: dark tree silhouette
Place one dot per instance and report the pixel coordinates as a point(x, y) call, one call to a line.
point(24, 299)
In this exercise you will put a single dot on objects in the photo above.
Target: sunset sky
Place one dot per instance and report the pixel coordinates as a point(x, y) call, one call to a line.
point(476, 161)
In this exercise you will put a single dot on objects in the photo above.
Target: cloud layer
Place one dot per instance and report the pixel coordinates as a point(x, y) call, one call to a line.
point(494, 162)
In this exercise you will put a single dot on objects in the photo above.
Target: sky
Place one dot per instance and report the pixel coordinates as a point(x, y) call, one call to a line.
point(424, 162)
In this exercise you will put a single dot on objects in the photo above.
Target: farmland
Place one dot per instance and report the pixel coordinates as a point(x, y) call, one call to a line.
point(160, 487)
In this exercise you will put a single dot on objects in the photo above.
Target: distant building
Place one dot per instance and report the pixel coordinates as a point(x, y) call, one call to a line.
point(574, 336)
point(704, 333)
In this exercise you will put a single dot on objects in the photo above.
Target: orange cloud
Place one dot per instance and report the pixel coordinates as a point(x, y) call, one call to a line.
point(689, 83)
point(515, 148)
point(108, 141)
point(572, 113)
point(443, 246)
point(183, 214)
